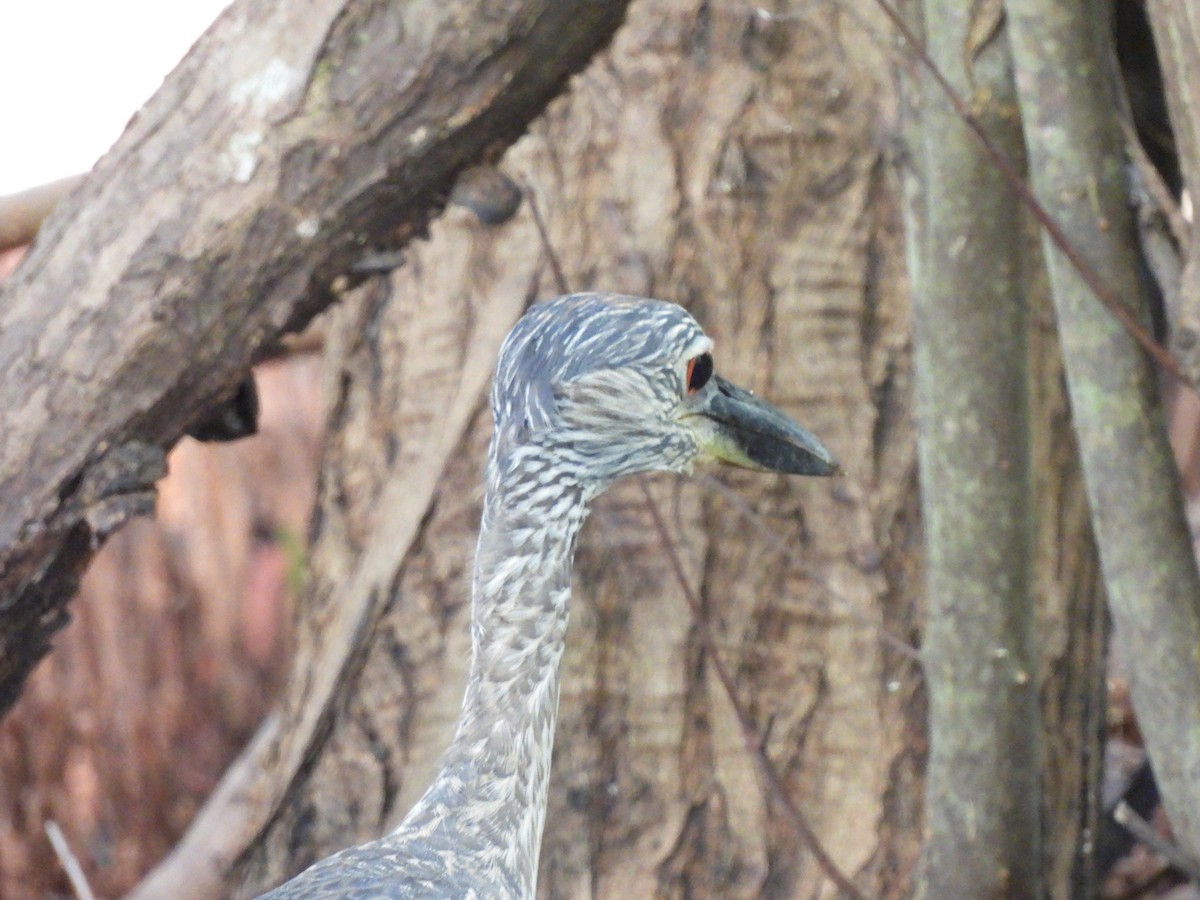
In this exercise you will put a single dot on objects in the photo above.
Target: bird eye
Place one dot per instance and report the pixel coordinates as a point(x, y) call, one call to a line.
point(699, 370)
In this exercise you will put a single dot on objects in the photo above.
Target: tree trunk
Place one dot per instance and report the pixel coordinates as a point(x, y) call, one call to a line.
point(731, 161)
point(972, 351)
point(289, 142)
point(999, 772)
point(1150, 570)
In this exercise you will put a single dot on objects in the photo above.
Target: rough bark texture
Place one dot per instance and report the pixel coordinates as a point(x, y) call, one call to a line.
point(1150, 571)
point(732, 162)
point(983, 783)
point(289, 141)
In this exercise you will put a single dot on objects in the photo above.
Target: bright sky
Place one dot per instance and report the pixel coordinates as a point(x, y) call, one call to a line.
point(72, 73)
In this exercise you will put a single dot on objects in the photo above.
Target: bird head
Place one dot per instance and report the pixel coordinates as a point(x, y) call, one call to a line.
point(613, 385)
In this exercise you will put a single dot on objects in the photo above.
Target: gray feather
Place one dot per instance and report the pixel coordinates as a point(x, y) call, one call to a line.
point(586, 390)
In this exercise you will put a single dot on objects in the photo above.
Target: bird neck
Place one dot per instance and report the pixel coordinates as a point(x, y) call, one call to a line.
point(489, 798)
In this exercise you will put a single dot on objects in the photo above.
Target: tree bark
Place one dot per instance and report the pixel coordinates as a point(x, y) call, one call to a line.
point(682, 166)
point(983, 783)
point(1074, 148)
point(286, 144)
point(734, 160)
point(955, 202)
point(661, 174)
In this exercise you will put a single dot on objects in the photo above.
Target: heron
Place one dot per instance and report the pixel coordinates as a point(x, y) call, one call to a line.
point(588, 388)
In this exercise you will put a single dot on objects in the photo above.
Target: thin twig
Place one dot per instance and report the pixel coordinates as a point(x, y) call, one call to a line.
point(560, 279)
point(1162, 229)
point(1025, 193)
point(751, 735)
point(1125, 816)
point(67, 859)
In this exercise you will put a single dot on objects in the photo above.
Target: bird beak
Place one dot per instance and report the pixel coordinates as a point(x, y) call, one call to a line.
point(744, 431)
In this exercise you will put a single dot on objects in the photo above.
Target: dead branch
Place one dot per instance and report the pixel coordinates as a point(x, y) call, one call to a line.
point(69, 861)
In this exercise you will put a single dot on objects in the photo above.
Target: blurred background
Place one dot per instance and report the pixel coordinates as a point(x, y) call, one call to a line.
point(184, 628)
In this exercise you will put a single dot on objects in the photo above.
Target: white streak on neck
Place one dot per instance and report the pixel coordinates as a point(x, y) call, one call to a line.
point(487, 804)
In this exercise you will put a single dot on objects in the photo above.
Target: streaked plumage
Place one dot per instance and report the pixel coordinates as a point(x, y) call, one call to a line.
point(588, 388)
